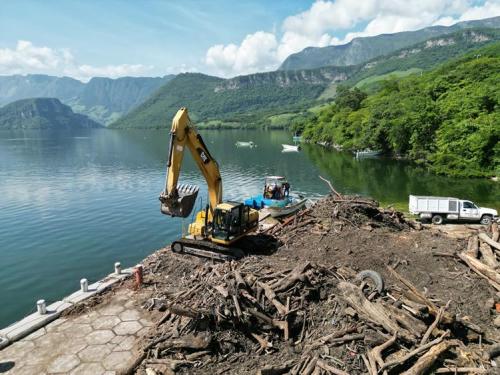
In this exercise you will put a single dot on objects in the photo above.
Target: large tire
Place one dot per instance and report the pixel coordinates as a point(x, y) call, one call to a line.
point(486, 220)
point(374, 276)
point(437, 219)
point(177, 247)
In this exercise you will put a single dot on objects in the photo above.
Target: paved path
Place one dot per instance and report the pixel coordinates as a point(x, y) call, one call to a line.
point(103, 341)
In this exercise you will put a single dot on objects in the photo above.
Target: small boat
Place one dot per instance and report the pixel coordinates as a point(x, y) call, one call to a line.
point(276, 198)
point(294, 206)
point(245, 144)
point(289, 148)
point(367, 153)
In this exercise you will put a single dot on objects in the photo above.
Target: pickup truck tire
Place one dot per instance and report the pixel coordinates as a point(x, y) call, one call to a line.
point(437, 219)
point(486, 220)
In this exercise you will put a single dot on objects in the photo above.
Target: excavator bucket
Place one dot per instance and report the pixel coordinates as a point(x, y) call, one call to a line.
point(180, 204)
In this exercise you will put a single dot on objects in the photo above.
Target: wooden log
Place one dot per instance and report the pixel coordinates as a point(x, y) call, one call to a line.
point(420, 298)
point(432, 326)
point(428, 359)
point(461, 370)
point(372, 311)
point(331, 187)
point(264, 344)
point(329, 368)
point(375, 355)
point(482, 270)
point(310, 366)
point(325, 339)
point(271, 296)
point(484, 237)
point(198, 342)
point(473, 246)
point(297, 274)
point(414, 325)
point(489, 257)
point(495, 233)
point(414, 352)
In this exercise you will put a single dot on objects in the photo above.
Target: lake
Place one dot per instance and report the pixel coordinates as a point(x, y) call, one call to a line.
point(73, 204)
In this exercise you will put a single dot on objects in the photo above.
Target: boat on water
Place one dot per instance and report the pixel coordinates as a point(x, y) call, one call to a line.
point(290, 148)
point(245, 144)
point(276, 198)
point(367, 153)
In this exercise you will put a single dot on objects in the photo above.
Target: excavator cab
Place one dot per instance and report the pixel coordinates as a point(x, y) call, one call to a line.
point(231, 221)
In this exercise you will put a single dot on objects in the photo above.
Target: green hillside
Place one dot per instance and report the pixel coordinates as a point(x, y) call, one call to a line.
point(360, 50)
point(42, 113)
point(240, 100)
point(447, 119)
point(427, 54)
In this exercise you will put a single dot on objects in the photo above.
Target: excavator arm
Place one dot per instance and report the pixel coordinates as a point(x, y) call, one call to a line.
point(179, 200)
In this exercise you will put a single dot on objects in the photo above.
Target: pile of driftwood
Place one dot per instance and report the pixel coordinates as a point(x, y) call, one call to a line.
point(257, 316)
point(483, 255)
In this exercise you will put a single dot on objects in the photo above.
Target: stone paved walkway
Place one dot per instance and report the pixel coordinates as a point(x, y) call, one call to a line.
point(103, 341)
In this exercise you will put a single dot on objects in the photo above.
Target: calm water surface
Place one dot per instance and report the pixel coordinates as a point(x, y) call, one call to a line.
point(73, 204)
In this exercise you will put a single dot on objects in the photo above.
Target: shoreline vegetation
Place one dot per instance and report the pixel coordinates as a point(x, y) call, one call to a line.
point(446, 120)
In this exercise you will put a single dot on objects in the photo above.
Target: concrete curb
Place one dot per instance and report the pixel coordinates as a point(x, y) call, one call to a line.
point(35, 321)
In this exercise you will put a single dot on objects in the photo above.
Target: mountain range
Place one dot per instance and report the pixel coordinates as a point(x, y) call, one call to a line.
point(102, 99)
point(363, 49)
point(245, 100)
point(303, 81)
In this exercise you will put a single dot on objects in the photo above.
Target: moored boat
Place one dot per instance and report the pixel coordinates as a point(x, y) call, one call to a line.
point(367, 153)
point(288, 148)
point(245, 144)
point(276, 198)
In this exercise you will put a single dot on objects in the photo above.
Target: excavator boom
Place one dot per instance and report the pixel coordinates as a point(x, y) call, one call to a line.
point(179, 200)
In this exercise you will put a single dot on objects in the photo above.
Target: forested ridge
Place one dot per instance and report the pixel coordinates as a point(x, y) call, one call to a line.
point(447, 119)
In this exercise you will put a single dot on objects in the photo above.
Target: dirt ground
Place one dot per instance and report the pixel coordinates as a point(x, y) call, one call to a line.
point(334, 240)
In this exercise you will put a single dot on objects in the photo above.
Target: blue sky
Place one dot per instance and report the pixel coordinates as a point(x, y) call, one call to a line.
point(155, 37)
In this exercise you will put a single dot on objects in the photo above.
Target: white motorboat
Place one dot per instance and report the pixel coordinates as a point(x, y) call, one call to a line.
point(245, 144)
point(295, 205)
point(290, 148)
point(367, 153)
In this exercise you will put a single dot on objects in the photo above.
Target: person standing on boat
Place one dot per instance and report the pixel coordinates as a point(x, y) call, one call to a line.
point(286, 185)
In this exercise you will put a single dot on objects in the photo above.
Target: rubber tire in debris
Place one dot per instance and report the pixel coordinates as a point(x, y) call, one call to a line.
point(374, 276)
point(437, 219)
point(177, 248)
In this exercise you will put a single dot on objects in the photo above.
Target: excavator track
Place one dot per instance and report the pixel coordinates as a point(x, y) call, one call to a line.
point(257, 244)
point(206, 249)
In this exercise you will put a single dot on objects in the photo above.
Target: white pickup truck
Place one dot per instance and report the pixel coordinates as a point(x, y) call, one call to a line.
point(439, 209)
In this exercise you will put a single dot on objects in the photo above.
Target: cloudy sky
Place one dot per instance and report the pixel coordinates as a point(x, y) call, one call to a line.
point(113, 38)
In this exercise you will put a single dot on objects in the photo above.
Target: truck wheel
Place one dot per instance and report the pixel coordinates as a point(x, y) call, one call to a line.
point(437, 219)
point(486, 220)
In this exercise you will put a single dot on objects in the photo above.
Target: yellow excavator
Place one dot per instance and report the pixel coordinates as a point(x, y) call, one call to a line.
point(218, 229)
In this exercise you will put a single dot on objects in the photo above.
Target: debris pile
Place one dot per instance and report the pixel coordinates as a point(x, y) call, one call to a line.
point(303, 310)
point(487, 248)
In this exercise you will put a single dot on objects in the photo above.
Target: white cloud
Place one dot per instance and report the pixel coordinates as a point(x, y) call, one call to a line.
point(27, 58)
point(256, 52)
point(317, 26)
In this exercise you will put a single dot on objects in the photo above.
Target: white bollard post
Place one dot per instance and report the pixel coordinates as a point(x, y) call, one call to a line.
point(118, 268)
point(41, 307)
point(84, 285)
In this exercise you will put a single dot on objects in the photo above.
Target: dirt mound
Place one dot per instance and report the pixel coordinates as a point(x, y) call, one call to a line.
point(303, 310)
